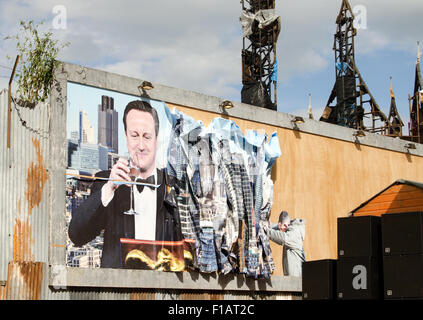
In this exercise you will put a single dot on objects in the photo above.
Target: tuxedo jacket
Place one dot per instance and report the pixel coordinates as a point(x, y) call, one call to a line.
point(91, 217)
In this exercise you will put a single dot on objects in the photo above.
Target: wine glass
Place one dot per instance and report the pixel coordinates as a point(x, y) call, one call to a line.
point(133, 173)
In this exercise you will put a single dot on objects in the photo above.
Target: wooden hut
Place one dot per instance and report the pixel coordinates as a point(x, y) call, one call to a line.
point(400, 196)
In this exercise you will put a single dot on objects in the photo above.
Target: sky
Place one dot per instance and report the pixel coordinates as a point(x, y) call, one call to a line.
point(196, 45)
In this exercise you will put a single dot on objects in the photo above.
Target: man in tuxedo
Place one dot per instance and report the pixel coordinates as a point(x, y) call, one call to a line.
point(157, 215)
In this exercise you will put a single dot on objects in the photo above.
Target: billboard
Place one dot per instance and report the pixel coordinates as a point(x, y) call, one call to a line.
point(149, 187)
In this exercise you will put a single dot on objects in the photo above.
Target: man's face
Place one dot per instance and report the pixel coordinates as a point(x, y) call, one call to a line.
point(141, 140)
point(283, 226)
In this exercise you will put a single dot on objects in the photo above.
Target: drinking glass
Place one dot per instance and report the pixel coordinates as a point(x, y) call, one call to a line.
point(133, 173)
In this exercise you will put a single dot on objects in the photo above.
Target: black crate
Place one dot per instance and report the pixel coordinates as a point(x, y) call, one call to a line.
point(359, 278)
point(402, 233)
point(359, 237)
point(319, 280)
point(403, 276)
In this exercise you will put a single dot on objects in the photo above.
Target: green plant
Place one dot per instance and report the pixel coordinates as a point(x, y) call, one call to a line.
point(38, 52)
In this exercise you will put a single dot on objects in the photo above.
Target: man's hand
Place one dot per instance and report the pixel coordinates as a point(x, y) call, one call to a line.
point(119, 171)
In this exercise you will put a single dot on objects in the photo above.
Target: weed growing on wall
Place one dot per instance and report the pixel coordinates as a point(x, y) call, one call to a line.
point(38, 52)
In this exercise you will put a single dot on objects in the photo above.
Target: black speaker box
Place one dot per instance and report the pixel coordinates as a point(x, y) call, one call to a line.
point(359, 278)
point(359, 237)
point(403, 276)
point(319, 280)
point(402, 233)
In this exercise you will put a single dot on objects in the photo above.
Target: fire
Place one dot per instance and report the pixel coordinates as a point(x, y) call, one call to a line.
point(166, 261)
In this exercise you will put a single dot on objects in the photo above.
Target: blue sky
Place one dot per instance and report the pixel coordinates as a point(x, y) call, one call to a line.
point(196, 45)
point(88, 98)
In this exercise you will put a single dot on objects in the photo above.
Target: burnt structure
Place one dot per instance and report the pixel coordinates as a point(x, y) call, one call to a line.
point(355, 106)
point(416, 104)
point(261, 29)
point(394, 117)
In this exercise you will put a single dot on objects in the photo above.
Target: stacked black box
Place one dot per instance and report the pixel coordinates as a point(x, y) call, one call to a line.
point(402, 241)
point(319, 280)
point(359, 265)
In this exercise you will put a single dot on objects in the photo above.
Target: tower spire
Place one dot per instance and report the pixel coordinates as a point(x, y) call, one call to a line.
point(310, 112)
point(260, 29)
point(396, 124)
point(350, 90)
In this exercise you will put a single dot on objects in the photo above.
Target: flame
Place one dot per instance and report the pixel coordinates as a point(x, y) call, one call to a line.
point(166, 261)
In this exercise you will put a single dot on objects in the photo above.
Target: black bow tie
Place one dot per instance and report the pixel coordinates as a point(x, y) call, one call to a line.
point(149, 180)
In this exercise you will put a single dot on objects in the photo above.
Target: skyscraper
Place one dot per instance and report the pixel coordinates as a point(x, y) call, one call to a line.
point(108, 124)
point(86, 131)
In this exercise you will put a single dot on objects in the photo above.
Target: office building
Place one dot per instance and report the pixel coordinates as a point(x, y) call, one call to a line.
point(108, 124)
point(86, 131)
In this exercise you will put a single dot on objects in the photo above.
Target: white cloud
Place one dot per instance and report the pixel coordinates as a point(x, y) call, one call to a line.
point(196, 45)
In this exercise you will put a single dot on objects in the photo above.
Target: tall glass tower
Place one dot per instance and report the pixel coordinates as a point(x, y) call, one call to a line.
point(108, 124)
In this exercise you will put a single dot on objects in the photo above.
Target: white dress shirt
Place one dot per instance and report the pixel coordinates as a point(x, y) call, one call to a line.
point(145, 204)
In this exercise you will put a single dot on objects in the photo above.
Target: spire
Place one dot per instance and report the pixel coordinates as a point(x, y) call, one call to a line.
point(350, 90)
point(396, 124)
point(392, 90)
point(310, 112)
point(419, 54)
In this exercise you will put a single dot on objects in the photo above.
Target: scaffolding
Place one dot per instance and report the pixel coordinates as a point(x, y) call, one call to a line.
point(355, 105)
point(261, 28)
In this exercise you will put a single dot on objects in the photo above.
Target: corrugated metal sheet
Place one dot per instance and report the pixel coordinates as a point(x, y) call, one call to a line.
point(24, 281)
point(24, 187)
point(212, 295)
point(2, 292)
point(116, 294)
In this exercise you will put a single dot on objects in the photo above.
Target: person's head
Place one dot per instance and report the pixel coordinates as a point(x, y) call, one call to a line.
point(141, 125)
point(284, 221)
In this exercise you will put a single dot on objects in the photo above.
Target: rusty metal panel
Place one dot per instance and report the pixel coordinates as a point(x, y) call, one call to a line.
point(116, 294)
point(5, 219)
point(143, 295)
point(24, 281)
point(3, 291)
point(215, 296)
point(24, 182)
point(30, 148)
point(50, 293)
point(192, 295)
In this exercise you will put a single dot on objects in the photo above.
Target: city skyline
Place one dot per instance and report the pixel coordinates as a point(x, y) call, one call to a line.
point(87, 98)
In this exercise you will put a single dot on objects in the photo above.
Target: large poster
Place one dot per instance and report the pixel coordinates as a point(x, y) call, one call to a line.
point(153, 188)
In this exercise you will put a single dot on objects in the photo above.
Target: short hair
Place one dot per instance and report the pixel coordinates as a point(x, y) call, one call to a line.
point(284, 217)
point(145, 107)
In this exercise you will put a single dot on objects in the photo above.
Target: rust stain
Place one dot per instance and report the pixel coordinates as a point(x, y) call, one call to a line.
point(36, 178)
point(24, 281)
point(142, 295)
point(22, 238)
point(2, 292)
point(54, 245)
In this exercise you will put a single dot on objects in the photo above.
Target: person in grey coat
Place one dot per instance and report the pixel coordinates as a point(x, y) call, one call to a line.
point(290, 234)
